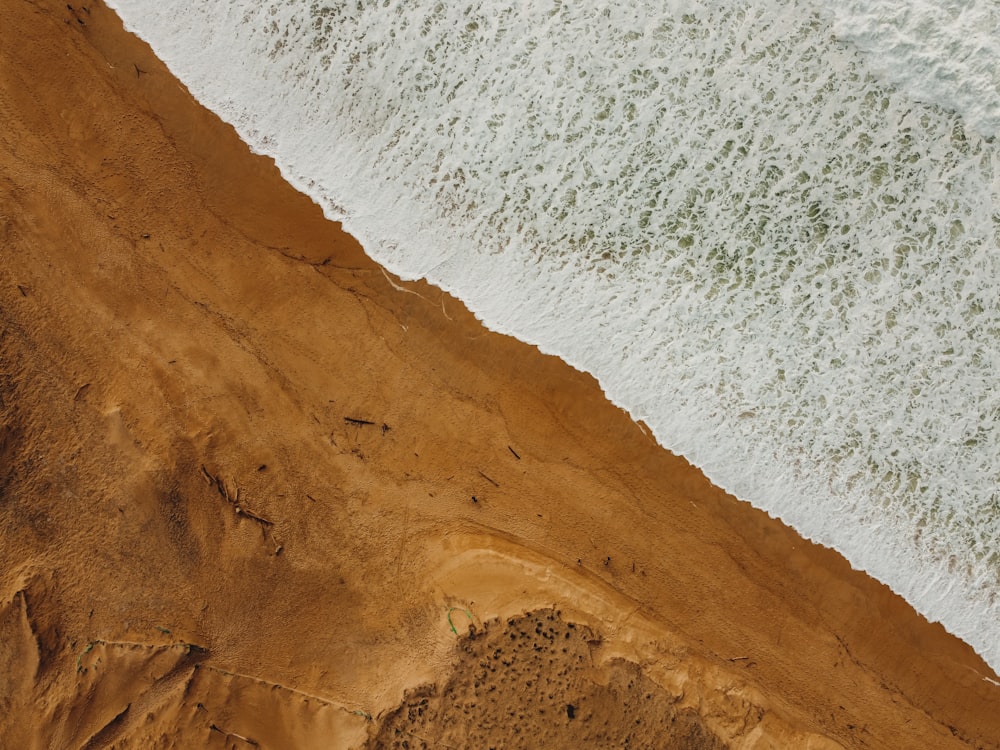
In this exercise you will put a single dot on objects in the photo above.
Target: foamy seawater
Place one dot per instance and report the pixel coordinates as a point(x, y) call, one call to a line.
point(938, 52)
point(786, 267)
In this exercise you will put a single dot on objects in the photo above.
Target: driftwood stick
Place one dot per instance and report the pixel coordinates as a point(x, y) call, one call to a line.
point(491, 481)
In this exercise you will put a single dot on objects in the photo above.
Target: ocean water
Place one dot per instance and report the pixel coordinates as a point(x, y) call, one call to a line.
point(769, 229)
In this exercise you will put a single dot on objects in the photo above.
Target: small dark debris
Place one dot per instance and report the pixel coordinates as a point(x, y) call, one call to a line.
point(262, 467)
point(570, 710)
point(488, 479)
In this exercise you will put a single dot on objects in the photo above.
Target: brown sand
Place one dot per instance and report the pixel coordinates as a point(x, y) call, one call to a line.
point(201, 549)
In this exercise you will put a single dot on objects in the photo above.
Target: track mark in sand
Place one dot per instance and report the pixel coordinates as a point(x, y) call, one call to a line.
point(355, 710)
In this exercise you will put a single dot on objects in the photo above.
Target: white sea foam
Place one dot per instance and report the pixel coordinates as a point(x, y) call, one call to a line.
point(946, 53)
point(787, 269)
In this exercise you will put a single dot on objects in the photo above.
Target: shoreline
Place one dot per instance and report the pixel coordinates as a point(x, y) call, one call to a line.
point(207, 321)
point(821, 492)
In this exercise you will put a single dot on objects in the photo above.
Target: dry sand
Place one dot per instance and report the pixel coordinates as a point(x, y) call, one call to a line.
point(255, 493)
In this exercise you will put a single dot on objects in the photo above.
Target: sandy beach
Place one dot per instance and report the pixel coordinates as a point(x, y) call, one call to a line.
point(257, 492)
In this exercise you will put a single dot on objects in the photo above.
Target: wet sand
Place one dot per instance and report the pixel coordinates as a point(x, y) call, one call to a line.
point(254, 491)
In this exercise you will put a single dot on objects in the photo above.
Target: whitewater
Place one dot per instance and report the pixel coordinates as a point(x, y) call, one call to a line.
point(769, 229)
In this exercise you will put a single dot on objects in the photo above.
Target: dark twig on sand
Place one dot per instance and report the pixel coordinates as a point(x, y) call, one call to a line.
point(491, 481)
point(234, 500)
